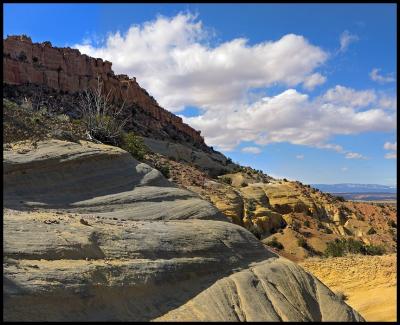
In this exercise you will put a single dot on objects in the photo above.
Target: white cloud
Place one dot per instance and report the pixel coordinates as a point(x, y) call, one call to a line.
point(391, 155)
point(313, 80)
point(375, 76)
point(171, 59)
point(300, 157)
point(354, 155)
point(388, 102)
point(391, 146)
point(344, 169)
point(346, 38)
point(347, 96)
point(292, 117)
point(253, 150)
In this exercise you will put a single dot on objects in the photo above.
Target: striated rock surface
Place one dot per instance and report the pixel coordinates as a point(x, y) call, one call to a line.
point(90, 234)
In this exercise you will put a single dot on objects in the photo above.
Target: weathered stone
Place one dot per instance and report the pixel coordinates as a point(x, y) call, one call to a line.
point(67, 70)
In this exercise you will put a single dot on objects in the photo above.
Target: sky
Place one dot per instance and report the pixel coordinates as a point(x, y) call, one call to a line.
point(301, 91)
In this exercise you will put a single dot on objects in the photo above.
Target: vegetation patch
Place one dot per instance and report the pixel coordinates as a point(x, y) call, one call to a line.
point(134, 145)
point(342, 247)
point(275, 243)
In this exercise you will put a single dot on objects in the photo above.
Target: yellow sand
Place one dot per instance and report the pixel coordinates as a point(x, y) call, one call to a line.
point(369, 282)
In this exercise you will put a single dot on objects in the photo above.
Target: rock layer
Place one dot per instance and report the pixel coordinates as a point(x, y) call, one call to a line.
point(67, 70)
point(90, 234)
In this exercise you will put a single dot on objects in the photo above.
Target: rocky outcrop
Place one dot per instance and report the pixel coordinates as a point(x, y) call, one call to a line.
point(213, 163)
point(67, 70)
point(90, 234)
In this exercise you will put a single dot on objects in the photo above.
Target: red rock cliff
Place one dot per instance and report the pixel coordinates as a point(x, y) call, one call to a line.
point(70, 71)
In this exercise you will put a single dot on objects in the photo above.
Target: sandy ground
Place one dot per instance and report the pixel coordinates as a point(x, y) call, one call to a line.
point(369, 282)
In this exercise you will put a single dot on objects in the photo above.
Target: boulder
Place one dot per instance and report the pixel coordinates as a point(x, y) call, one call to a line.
point(91, 234)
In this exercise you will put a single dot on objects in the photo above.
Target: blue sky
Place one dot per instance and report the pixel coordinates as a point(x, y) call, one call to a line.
point(311, 93)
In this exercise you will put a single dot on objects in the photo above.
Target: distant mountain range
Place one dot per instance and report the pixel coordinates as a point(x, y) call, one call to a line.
point(355, 188)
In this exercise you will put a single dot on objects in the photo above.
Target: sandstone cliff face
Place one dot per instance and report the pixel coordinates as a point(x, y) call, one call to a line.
point(67, 70)
point(91, 234)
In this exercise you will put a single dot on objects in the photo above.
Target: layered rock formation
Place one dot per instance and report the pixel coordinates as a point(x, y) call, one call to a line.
point(67, 70)
point(91, 234)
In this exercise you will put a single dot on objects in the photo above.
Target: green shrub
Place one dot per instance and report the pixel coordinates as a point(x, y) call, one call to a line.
point(328, 231)
point(251, 205)
point(306, 224)
point(307, 234)
point(165, 171)
point(341, 247)
point(335, 248)
point(302, 243)
point(134, 145)
point(340, 198)
point(274, 243)
point(256, 232)
point(295, 226)
point(374, 250)
point(226, 180)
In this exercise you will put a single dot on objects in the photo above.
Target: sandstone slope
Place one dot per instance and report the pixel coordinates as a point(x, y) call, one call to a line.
point(290, 211)
point(91, 234)
point(369, 282)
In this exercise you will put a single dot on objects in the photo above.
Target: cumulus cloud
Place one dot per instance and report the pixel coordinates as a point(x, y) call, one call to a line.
point(299, 156)
point(388, 102)
point(172, 59)
point(313, 80)
point(391, 146)
point(292, 117)
point(340, 95)
point(346, 38)
point(375, 76)
point(253, 150)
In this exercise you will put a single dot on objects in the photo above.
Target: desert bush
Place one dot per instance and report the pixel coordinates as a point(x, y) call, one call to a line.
point(256, 231)
point(134, 145)
point(164, 169)
point(342, 247)
point(335, 248)
point(226, 180)
point(392, 224)
point(244, 184)
point(340, 198)
point(302, 242)
point(307, 234)
point(374, 250)
point(251, 204)
point(295, 225)
point(328, 230)
point(274, 243)
point(371, 231)
point(306, 224)
point(63, 118)
point(103, 120)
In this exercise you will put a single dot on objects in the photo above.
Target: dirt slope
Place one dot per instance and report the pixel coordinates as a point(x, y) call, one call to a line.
point(369, 282)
